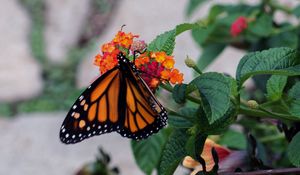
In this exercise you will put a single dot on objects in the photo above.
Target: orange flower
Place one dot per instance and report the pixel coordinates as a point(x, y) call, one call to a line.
point(168, 62)
point(123, 39)
point(97, 60)
point(159, 56)
point(142, 59)
point(108, 62)
point(154, 83)
point(176, 77)
point(108, 47)
point(165, 74)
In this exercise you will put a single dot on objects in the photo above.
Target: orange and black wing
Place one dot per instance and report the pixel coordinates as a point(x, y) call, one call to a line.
point(144, 115)
point(96, 111)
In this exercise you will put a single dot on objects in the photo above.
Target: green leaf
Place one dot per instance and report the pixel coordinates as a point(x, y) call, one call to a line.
point(296, 11)
point(284, 39)
point(262, 26)
point(173, 152)
point(215, 91)
point(195, 144)
point(192, 6)
point(294, 93)
point(275, 86)
point(279, 61)
point(234, 139)
point(219, 126)
point(209, 53)
point(147, 152)
point(182, 119)
point(293, 150)
point(166, 41)
point(188, 26)
point(179, 93)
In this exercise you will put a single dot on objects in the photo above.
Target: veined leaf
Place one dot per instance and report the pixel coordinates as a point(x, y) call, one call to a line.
point(275, 86)
point(147, 152)
point(179, 93)
point(262, 26)
point(173, 152)
point(279, 61)
point(294, 93)
point(293, 150)
point(183, 119)
point(215, 92)
point(166, 41)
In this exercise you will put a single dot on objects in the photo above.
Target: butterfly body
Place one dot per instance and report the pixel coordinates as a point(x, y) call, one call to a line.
point(119, 100)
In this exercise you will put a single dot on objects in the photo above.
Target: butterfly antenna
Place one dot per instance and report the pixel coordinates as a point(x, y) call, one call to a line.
point(123, 26)
point(135, 52)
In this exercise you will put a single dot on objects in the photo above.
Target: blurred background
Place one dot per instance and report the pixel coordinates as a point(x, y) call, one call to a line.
point(46, 60)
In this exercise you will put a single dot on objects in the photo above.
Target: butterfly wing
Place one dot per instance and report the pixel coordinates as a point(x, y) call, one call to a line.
point(144, 114)
point(96, 111)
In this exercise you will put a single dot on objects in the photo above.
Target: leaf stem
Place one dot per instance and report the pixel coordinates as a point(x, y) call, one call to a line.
point(189, 97)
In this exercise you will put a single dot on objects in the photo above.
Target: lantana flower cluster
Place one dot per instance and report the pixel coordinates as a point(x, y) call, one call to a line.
point(155, 67)
point(238, 26)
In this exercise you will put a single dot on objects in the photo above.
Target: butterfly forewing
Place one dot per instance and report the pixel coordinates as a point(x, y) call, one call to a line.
point(95, 112)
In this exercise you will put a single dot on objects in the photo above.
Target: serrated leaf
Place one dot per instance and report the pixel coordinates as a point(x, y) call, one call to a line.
point(147, 152)
point(294, 93)
point(275, 86)
point(219, 126)
point(173, 152)
point(293, 150)
point(279, 61)
point(166, 41)
point(182, 119)
point(262, 26)
point(179, 93)
point(215, 91)
point(192, 6)
point(234, 139)
point(209, 54)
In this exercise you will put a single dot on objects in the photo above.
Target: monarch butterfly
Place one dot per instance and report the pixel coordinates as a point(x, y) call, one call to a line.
point(119, 100)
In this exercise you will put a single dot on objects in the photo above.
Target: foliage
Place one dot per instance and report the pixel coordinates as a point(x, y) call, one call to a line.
point(210, 103)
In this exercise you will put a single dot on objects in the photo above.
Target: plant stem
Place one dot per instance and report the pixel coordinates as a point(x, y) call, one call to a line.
point(271, 138)
point(266, 172)
point(264, 113)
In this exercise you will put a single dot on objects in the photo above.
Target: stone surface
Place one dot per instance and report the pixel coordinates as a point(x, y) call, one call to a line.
point(19, 72)
point(65, 21)
point(30, 145)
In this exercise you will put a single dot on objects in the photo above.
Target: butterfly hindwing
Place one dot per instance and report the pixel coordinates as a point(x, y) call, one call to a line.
point(144, 114)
